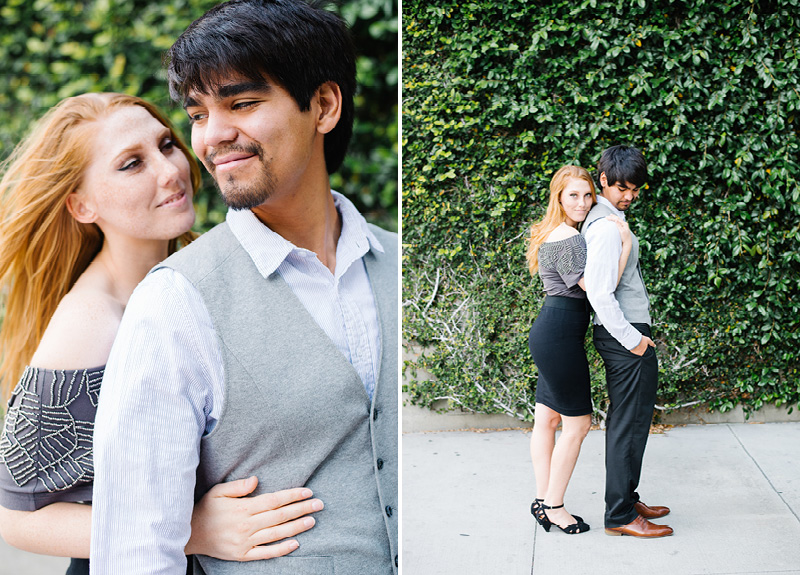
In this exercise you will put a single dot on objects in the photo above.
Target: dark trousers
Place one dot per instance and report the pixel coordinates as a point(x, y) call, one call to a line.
point(632, 381)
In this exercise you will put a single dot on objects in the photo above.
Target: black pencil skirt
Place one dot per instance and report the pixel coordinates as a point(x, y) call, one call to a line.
point(81, 567)
point(556, 342)
point(78, 567)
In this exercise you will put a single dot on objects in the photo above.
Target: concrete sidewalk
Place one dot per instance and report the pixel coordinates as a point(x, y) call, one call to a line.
point(734, 491)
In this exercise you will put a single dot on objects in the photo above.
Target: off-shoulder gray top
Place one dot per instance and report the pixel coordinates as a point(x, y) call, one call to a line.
point(561, 265)
point(46, 445)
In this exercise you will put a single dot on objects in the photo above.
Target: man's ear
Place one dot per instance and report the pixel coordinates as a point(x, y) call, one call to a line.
point(329, 96)
point(81, 208)
point(603, 180)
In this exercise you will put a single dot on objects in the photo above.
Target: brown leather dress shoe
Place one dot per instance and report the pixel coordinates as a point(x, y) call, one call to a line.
point(650, 512)
point(640, 527)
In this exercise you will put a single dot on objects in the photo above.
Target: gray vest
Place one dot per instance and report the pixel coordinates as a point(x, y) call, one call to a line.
point(296, 412)
point(631, 293)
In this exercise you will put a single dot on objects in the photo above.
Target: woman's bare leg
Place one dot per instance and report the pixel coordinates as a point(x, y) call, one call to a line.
point(562, 463)
point(543, 440)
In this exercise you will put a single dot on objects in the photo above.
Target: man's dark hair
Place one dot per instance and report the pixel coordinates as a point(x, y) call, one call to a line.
point(623, 164)
point(299, 45)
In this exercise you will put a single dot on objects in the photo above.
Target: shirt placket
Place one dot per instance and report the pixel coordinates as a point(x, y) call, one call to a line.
point(356, 336)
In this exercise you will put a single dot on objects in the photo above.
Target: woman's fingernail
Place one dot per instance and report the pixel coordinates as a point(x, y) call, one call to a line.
point(308, 522)
point(307, 493)
point(317, 505)
point(293, 545)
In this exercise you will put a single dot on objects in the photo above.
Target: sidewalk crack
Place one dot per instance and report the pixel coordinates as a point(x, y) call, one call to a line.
point(753, 459)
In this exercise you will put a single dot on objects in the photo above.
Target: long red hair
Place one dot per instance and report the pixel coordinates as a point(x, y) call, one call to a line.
point(555, 214)
point(43, 250)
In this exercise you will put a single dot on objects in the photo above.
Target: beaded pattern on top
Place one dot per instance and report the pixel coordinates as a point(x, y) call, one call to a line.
point(567, 256)
point(42, 438)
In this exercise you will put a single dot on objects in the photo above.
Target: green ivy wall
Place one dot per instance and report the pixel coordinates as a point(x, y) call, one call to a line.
point(498, 95)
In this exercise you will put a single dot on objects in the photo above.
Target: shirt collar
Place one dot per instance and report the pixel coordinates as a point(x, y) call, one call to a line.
point(268, 250)
point(612, 207)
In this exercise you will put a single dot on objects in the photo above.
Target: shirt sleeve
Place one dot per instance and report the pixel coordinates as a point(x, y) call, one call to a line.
point(571, 265)
point(156, 402)
point(571, 279)
point(604, 247)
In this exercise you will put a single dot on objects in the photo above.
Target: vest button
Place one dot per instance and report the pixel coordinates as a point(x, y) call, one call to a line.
point(395, 561)
point(375, 415)
point(388, 510)
point(380, 463)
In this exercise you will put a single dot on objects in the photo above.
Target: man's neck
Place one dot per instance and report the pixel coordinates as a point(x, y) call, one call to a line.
point(616, 211)
point(309, 221)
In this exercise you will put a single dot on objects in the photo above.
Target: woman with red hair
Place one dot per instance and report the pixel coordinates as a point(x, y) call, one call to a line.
point(98, 194)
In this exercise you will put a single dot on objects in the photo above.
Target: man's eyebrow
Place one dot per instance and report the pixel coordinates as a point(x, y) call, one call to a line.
point(230, 90)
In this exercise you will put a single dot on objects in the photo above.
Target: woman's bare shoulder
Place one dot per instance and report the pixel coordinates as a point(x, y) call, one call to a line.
point(562, 232)
point(81, 331)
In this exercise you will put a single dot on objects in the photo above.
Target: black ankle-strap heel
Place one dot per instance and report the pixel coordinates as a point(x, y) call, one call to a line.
point(538, 513)
point(573, 529)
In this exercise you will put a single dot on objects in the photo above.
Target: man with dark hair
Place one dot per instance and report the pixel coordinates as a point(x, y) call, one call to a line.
point(622, 338)
point(267, 347)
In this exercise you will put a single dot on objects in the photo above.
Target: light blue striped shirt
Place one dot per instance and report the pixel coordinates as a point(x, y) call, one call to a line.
point(164, 388)
point(601, 276)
